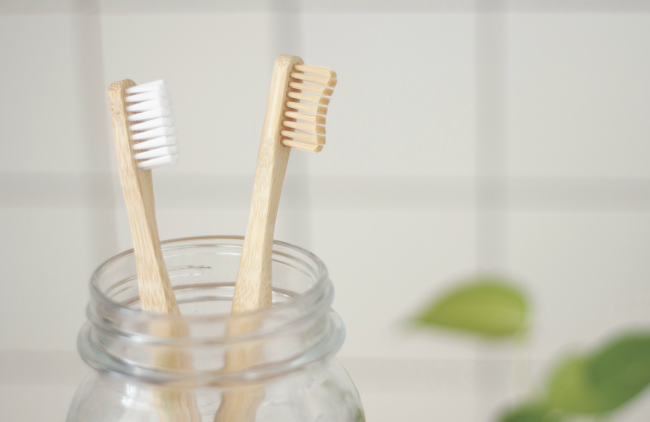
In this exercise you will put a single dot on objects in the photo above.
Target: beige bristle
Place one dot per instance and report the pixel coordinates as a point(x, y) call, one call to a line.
point(312, 88)
point(316, 70)
point(307, 137)
point(308, 107)
point(312, 118)
point(306, 127)
point(311, 98)
point(320, 80)
point(302, 146)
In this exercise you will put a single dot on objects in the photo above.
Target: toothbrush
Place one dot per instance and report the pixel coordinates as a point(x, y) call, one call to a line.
point(144, 131)
point(144, 115)
point(286, 127)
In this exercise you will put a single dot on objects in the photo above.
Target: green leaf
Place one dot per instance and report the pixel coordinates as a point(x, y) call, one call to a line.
point(621, 369)
point(485, 306)
point(532, 412)
point(569, 388)
point(605, 379)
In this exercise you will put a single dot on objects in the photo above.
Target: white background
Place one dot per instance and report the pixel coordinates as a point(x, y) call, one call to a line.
point(464, 137)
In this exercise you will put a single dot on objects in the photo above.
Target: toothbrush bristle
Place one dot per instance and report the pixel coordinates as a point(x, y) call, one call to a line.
point(153, 128)
point(305, 116)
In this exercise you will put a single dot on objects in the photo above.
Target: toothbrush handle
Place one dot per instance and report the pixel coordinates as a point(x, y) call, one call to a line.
point(253, 289)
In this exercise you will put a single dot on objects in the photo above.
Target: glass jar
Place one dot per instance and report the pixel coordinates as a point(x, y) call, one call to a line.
point(294, 376)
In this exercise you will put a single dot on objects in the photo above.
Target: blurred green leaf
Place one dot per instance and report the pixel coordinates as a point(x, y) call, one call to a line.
point(532, 412)
point(621, 370)
point(603, 380)
point(485, 306)
point(569, 388)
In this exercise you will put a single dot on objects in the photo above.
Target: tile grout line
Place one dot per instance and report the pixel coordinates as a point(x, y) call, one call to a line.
point(90, 64)
point(491, 121)
point(286, 38)
point(70, 190)
point(491, 196)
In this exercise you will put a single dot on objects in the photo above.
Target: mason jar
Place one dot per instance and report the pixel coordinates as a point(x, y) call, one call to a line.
point(294, 376)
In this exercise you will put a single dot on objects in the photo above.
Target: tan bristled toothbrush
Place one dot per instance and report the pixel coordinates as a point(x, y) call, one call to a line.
point(285, 128)
point(143, 128)
point(295, 115)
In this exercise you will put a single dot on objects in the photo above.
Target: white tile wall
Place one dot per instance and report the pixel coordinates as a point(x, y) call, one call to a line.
point(586, 271)
point(516, 142)
point(383, 264)
point(399, 109)
point(597, 64)
point(46, 263)
point(215, 83)
point(40, 123)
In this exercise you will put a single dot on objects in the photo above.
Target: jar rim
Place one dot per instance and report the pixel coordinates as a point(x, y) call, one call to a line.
point(103, 338)
point(321, 283)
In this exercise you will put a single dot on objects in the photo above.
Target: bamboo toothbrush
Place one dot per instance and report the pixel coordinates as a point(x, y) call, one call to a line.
point(288, 124)
point(143, 128)
point(284, 129)
point(149, 107)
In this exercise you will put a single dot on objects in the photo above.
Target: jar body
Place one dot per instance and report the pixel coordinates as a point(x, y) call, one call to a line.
point(139, 374)
point(323, 393)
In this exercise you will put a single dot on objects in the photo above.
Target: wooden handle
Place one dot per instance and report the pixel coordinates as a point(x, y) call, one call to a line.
point(253, 290)
point(156, 293)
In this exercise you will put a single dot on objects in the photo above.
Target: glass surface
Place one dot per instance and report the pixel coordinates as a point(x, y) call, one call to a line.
point(142, 375)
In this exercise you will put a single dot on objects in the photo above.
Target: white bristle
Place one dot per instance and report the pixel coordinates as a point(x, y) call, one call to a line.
point(151, 114)
point(158, 162)
point(155, 125)
point(151, 95)
point(155, 143)
point(153, 133)
point(157, 152)
point(149, 105)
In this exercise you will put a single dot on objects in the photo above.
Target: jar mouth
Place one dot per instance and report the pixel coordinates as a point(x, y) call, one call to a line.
point(298, 330)
point(320, 272)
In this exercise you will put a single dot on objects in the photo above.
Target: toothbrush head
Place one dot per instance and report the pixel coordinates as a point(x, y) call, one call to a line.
point(151, 125)
point(304, 118)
